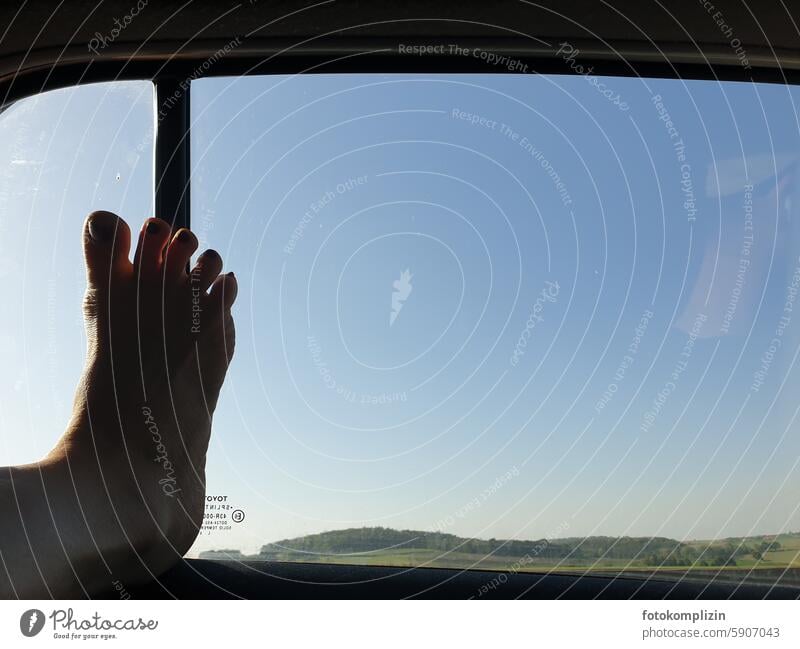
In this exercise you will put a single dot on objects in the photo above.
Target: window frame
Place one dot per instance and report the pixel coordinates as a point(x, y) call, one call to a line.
point(172, 78)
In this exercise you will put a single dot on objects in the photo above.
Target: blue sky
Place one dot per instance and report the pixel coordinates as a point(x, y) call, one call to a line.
point(480, 409)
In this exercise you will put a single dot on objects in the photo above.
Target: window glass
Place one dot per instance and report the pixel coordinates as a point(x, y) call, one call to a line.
point(482, 308)
point(62, 154)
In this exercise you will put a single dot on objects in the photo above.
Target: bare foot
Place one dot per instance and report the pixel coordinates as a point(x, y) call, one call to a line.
point(127, 481)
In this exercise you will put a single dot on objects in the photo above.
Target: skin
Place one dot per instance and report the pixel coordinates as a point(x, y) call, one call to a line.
point(120, 498)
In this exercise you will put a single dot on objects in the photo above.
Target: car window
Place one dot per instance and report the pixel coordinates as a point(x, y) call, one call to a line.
point(64, 153)
point(529, 322)
point(509, 321)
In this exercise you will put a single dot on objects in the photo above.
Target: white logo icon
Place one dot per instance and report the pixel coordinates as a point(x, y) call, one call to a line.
point(402, 289)
point(31, 622)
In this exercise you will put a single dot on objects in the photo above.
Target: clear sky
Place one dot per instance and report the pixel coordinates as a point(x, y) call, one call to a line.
point(492, 305)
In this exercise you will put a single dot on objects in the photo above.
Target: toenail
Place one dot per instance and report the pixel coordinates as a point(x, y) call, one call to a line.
point(152, 227)
point(184, 236)
point(101, 229)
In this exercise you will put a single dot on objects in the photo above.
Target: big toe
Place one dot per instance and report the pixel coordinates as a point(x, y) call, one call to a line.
point(106, 245)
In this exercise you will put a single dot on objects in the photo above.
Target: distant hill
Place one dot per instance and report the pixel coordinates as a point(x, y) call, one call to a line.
point(381, 540)
point(381, 545)
point(765, 559)
point(411, 548)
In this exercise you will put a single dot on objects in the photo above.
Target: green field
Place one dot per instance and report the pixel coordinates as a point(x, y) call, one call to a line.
point(766, 558)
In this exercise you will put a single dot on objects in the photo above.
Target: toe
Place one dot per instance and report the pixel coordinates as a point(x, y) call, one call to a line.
point(153, 238)
point(106, 245)
point(179, 251)
point(208, 267)
point(229, 336)
point(223, 290)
